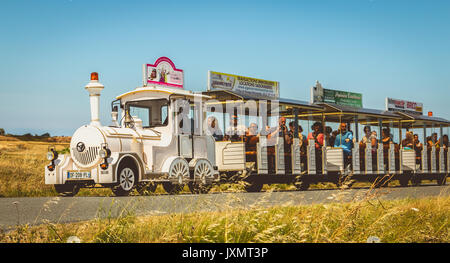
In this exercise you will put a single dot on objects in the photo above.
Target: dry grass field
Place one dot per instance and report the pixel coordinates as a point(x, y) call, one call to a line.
point(408, 220)
point(22, 168)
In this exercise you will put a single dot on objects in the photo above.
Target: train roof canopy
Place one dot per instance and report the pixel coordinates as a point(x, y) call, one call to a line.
point(421, 120)
point(153, 92)
point(362, 113)
point(222, 95)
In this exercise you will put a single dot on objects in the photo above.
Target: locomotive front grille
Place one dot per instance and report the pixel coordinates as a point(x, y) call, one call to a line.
point(87, 157)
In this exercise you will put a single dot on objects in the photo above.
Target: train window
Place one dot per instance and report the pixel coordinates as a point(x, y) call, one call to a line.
point(153, 113)
point(164, 115)
point(142, 113)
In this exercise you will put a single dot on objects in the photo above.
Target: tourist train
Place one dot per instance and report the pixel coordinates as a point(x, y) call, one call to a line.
point(161, 133)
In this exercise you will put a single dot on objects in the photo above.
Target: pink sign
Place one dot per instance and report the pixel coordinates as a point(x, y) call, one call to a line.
point(164, 73)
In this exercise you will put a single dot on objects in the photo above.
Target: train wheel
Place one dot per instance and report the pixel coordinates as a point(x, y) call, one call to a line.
point(171, 188)
point(302, 185)
point(442, 180)
point(179, 170)
point(203, 171)
point(127, 181)
point(253, 187)
point(146, 188)
point(67, 189)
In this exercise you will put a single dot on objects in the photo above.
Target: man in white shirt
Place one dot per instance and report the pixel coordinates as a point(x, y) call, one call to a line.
point(234, 132)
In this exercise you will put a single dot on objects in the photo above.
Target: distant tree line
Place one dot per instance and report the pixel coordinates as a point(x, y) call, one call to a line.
point(3, 133)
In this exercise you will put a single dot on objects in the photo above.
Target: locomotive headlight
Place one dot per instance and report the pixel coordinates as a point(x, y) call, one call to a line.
point(105, 153)
point(52, 155)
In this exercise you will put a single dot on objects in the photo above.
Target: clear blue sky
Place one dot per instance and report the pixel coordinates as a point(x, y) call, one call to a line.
point(399, 49)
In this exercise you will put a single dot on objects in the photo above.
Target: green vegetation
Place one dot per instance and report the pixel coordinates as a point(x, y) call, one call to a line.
point(407, 220)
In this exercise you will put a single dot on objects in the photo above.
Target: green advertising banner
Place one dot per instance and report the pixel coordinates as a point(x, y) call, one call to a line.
point(345, 98)
point(342, 98)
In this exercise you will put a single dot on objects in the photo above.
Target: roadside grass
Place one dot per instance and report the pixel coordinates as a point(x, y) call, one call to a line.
point(22, 173)
point(407, 220)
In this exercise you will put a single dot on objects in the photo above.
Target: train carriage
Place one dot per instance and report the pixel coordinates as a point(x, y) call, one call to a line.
point(257, 158)
point(363, 161)
point(432, 159)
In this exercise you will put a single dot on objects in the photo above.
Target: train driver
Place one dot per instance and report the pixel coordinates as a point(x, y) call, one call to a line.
point(213, 129)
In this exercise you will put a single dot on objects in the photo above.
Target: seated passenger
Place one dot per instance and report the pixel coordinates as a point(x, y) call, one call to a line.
point(367, 135)
point(234, 132)
point(344, 140)
point(417, 143)
point(252, 130)
point(386, 139)
point(334, 134)
point(375, 135)
point(301, 137)
point(281, 131)
point(316, 135)
point(213, 129)
point(251, 137)
point(445, 141)
point(432, 140)
point(328, 135)
point(429, 141)
point(408, 142)
point(302, 142)
point(418, 147)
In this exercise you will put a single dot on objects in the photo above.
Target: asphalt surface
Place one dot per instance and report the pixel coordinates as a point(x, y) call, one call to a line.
point(38, 210)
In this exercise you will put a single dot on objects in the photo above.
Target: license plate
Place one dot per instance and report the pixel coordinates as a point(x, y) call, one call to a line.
point(78, 175)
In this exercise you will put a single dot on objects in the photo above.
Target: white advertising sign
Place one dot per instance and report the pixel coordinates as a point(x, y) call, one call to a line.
point(404, 106)
point(245, 86)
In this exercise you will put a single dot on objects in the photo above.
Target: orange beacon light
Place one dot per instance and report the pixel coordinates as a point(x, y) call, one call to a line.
point(94, 76)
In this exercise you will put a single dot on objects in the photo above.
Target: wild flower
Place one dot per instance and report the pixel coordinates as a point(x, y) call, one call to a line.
point(73, 239)
point(373, 239)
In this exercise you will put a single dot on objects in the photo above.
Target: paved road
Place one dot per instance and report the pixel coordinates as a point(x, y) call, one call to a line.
point(37, 210)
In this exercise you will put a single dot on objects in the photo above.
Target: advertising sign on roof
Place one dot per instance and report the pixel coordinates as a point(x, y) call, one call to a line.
point(404, 106)
point(163, 73)
point(345, 98)
point(244, 86)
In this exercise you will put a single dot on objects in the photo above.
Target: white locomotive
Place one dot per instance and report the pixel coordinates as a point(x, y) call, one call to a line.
point(154, 141)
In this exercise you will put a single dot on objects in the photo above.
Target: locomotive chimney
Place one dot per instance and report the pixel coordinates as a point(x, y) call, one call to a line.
point(94, 87)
